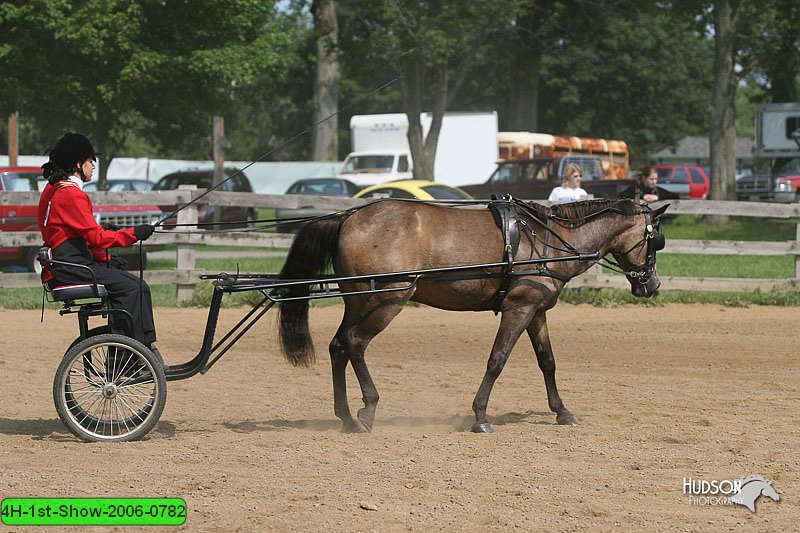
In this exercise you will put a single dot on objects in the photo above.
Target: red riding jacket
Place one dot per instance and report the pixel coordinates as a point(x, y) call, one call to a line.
point(65, 212)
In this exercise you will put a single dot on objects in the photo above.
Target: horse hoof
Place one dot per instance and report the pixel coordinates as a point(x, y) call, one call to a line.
point(482, 428)
point(366, 421)
point(566, 419)
point(353, 427)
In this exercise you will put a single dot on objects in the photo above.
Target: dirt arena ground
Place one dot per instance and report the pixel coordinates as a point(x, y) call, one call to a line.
point(661, 394)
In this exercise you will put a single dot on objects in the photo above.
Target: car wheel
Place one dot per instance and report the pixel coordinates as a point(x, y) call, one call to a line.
point(31, 263)
point(250, 218)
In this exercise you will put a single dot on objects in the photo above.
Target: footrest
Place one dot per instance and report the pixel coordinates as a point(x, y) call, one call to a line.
point(78, 292)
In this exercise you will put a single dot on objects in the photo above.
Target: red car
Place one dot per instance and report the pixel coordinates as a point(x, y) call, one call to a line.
point(688, 182)
point(23, 217)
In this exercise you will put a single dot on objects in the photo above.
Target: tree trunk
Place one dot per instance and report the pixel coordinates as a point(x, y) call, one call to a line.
point(413, 68)
point(723, 109)
point(326, 83)
point(525, 104)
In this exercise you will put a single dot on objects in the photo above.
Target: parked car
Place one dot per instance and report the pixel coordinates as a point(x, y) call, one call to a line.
point(688, 182)
point(312, 187)
point(119, 185)
point(240, 216)
point(414, 189)
point(23, 218)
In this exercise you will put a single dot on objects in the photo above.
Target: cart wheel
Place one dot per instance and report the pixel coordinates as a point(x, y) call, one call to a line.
point(109, 388)
point(102, 330)
point(93, 332)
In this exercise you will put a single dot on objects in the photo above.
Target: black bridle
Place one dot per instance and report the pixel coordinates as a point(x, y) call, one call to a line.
point(654, 240)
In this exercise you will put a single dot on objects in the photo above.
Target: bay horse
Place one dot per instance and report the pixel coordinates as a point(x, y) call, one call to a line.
point(399, 236)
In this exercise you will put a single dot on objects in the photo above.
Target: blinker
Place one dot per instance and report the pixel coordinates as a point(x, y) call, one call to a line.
point(659, 241)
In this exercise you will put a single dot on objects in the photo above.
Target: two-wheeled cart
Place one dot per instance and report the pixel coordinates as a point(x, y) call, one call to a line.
point(111, 387)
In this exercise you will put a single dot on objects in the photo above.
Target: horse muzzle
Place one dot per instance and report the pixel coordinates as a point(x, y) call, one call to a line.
point(646, 289)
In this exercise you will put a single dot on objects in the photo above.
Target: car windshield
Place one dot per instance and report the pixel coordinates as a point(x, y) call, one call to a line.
point(443, 192)
point(504, 174)
point(173, 181)
point(368, 163)
point(20, 181)
point(321, 187)
point(665, 175)
point(591, 169)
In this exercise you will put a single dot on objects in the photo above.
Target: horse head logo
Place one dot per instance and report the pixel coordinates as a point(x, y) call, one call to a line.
point(752, 488)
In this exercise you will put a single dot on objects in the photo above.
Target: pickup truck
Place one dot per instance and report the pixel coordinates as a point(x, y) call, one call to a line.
point(23, 218)
point(533, 179)
point(780, 185)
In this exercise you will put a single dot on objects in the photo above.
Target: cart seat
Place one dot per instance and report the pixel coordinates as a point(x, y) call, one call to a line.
point(78, 292)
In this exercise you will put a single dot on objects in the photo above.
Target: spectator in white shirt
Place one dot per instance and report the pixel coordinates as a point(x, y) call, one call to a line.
point(570, 189)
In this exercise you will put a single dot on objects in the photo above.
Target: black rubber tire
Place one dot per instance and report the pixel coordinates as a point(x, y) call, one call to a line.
point(108, 404)
point(250, 218)
point(30, 262)
point(93, 332)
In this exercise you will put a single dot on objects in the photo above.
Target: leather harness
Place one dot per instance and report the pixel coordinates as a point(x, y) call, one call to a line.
point(505, 216)
point(504, 211)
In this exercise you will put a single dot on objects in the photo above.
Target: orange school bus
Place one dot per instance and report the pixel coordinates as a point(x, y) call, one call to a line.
point(524, 145)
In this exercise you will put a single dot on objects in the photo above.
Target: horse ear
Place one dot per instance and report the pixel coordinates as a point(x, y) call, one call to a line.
point(658, 212)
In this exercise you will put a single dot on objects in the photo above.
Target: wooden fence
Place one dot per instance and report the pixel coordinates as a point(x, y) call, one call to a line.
point(185, 275)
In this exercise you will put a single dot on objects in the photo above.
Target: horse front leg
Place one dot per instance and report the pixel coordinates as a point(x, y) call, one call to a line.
point(512, 324)
point(540, 338)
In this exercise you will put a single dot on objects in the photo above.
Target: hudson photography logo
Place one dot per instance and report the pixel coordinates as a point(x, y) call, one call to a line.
point(744, 491)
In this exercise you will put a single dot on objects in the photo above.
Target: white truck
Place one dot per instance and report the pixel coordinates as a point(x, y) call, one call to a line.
point(778, 141)
point(467, 150)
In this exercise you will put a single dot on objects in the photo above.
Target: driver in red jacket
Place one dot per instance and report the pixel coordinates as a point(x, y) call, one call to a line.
point(70, 230)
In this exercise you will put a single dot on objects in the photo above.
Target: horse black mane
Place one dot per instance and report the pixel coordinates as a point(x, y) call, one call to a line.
point(577, 213)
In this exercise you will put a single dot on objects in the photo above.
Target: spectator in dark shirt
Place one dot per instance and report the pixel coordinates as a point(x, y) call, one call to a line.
point(647, 188)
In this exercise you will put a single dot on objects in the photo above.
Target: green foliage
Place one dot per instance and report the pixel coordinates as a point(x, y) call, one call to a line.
point(144, 78)
point(110, 67)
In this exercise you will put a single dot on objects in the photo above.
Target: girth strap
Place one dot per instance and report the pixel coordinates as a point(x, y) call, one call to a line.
point(505, 216)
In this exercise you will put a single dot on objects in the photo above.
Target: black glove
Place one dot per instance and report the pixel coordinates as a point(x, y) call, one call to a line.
point(143, 231)
point(109, 226)
point(116, 261)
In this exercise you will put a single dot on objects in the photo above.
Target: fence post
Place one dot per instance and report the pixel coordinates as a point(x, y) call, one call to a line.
point(797, 251)
point(186, 253)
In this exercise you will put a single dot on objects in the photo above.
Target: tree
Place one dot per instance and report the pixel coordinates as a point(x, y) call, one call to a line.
point(113, 68)
point(722, 134)
point(326, 83)
point(619, 69)
point(431, 45)
point(771, 49)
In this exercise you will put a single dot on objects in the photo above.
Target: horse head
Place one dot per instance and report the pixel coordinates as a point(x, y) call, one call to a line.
point(635, 251)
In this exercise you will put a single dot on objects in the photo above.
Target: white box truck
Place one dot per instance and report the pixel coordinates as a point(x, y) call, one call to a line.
point(466, 152)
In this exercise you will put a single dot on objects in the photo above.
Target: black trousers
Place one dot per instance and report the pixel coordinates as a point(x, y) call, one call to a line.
point(125, 291)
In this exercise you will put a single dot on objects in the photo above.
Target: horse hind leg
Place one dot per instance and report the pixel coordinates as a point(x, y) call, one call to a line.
point(349, 345)
point(339, 360)
point(540, 338)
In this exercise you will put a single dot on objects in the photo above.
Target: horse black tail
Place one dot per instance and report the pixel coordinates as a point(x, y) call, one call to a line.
point(311, 254)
